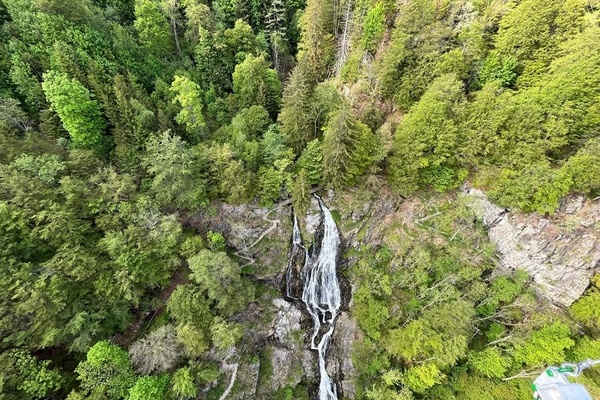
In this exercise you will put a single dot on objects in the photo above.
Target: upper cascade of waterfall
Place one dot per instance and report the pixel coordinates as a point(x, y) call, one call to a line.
point(320, 288)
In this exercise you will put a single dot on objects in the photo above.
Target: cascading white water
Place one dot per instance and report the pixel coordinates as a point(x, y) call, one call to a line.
point(320, 291)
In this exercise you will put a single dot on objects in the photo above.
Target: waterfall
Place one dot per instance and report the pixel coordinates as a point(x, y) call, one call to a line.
point(320, 289)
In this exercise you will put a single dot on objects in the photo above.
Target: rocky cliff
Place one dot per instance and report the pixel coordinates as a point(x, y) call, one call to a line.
point(561, 253)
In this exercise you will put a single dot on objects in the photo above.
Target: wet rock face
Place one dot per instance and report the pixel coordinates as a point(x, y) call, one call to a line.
point(287, 359)
point(339, 361)
point(561, 253)
point(287, 320)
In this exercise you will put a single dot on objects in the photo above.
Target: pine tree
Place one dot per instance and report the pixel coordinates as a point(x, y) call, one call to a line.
point(296, 110)
point(316, 48)
point(275, 22)
point(426, 140)
point(176, 173)
point(347, 148)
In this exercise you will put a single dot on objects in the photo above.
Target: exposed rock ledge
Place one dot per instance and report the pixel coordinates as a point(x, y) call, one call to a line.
point(560, 253)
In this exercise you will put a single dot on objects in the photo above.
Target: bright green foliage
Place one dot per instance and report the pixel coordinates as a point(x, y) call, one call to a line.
point(176, 172)
point(535, 188)
point(371, 312)
point(95, 235)
point(545, 346)
point(149, 388)
point(299, 187)
point(79, 113)
point(183, 384)
point(23, 374)
point(427, 138)
point(270, 185)
point(482, 121)
point(218, 52)
point(583, 168)
point(273, 147)
point(586, 310)
point(505, 290)
point(254, 83)
point(225, 334)
point(272, 180)
point(419, 51)
point(189, 97)
point(348, 148)
point(438, 335)
point(311, 160)
point(435, 333)
point(188, 305)
point(107, 371)
point(489, 363)
point(152, 26)
point(25, 81)
point(527, 29)
point(216, 241)
point(194, 340)
point(472, 387)
point(219, 277)
point(143, 253)
point(246, 128)
point(373, 27)
point(501, 68)
point(422, 377)
point(228, 177)
point(382, 392)
point(587, 348)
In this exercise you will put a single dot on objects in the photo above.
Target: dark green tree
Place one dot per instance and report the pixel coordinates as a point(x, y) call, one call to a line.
point(426, 140)
point(254, 83)
point(348, 148)
point(176, 170)
point(153, 28)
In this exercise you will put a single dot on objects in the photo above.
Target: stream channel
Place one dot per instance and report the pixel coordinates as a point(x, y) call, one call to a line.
point(311, 280)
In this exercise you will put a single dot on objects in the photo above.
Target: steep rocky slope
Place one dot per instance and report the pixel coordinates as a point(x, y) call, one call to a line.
point(560, 253)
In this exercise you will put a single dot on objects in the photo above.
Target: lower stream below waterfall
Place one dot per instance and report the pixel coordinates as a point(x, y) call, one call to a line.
point(314, 283)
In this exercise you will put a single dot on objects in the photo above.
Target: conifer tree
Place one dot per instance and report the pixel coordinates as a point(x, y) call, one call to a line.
point(316, 48)
point(347, 148)
point(295, 111)
point(426, 139)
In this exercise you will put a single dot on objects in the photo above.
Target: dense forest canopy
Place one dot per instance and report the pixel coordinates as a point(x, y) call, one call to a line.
point(120, 117)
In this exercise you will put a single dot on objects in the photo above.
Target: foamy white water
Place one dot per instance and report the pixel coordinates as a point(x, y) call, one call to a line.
point(321, 291)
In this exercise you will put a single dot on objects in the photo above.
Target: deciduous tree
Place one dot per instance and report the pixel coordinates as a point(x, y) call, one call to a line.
point(79, 113)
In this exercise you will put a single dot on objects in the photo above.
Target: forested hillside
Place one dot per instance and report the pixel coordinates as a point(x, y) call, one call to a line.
point(121, 119)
